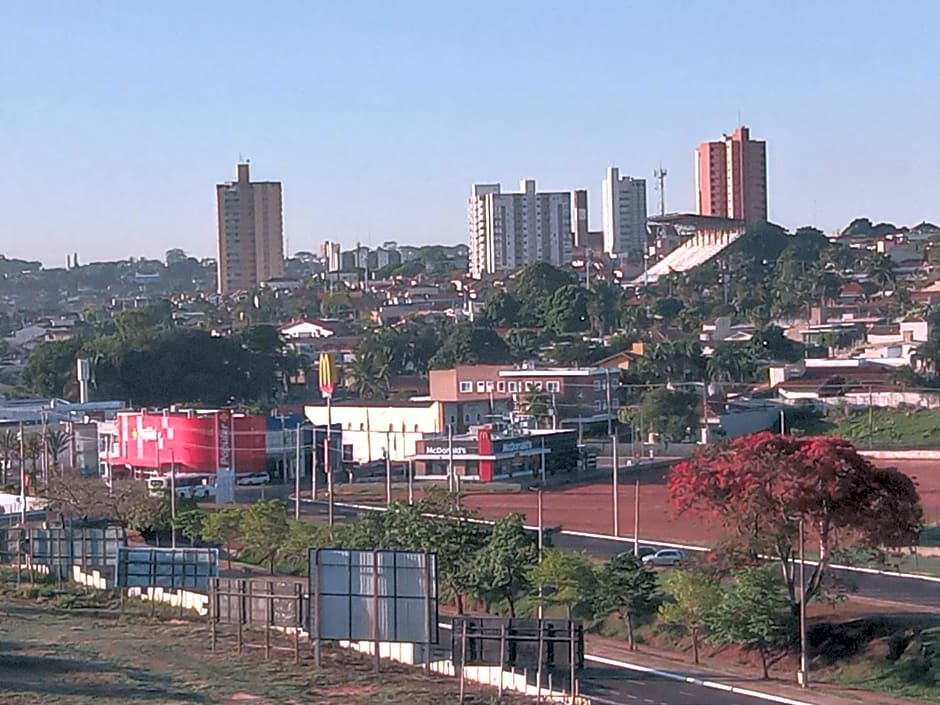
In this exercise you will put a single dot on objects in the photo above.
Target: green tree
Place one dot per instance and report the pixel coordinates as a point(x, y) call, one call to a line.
point(625, 586)
point(50, 369)
point(502, 310)
point(693, 598)
point(565, 579)
point(668, 412)
point(752, 611)
point(191, 523)
point(152, 516)
point(264, 528)
point(603, 307)
point(468, 344)
point(501, 567)
point(301, 537)
point(567, 310)
point(534, 288)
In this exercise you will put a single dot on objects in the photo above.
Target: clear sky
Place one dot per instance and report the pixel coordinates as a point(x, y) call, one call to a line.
point(117, 118)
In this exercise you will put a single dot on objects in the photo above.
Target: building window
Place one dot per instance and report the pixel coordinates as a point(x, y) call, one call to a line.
point(528, 386)
point(513, 386)
point(416, 428)
point(489, 386)
point(552, 387)
point(500, 386)
point(466, 387)
point(597, 385)
point(362, 427)
point(481, 386)
point(597, 405)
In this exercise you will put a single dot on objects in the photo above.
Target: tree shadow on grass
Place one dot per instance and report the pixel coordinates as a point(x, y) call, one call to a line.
point(74, 677)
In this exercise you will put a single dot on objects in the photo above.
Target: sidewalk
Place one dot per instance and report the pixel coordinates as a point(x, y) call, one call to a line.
point(780, 685)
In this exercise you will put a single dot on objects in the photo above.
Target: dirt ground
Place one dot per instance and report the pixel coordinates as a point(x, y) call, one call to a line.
point(590, 507)
point(58, 657)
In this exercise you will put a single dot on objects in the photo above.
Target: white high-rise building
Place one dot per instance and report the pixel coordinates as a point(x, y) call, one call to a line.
point(624, 214)
point(511, 230)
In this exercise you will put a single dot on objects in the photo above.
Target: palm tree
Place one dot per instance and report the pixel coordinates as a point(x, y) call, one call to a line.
point(537, 404)
point(32, 450)
point(9, 448)
point(57, 442)
point(881, 269)
point(369, 376)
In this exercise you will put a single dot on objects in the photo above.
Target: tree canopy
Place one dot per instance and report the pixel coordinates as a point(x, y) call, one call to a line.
point(759, 487)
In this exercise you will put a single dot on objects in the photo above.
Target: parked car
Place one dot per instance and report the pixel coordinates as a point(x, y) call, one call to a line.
point(665, 557)
point(641, 552)
point(255, 478)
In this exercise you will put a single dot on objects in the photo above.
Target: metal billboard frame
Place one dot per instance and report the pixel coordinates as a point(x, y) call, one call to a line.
point(373, 595)
point(182, 569)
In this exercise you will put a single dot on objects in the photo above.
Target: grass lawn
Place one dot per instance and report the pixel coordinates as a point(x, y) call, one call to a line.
point(890, 428)
point(92, 655)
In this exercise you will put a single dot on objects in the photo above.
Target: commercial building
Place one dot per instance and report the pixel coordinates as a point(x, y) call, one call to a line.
point(488, 454)
point(565, 395)
point(511, 230)
point(186, 442)
point(251, 232)
point(731, 177)
point(624, 202)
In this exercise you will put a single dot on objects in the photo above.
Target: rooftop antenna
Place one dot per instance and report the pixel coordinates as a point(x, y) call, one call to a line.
point(660, 176)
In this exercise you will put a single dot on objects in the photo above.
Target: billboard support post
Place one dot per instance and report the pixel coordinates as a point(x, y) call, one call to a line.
point(376, 640)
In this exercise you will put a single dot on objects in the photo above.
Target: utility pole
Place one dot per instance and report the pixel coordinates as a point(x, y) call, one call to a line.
point(22, 476)
point(614, 488)
point(297, 473)
point(636, 519)
point(610, 420)
point(388, 468)
point(802, 676)
point(871, 419)
point(173, 497)
point(451, 484)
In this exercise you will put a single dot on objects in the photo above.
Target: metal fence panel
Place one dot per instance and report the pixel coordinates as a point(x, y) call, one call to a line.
point(168, 568)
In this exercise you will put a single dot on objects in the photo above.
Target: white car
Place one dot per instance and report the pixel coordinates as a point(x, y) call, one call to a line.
point(255, 478)
point(665, 557)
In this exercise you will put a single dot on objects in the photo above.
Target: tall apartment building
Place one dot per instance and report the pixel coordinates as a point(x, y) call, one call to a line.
point(251, 232)
point(624, 201)
point(579, 218)
point(731, 177)
point(511, 230)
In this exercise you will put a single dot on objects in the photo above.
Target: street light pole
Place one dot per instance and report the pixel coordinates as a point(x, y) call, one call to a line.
point(636, 519)
point(610, 420)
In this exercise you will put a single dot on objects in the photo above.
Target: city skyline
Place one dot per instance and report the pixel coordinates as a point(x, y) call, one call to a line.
point(356, 121)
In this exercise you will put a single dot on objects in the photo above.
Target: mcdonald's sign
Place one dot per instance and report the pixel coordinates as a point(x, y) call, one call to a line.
point(327, 375)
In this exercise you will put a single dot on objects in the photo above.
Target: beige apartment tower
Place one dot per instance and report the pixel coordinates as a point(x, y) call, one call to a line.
point(251, 232)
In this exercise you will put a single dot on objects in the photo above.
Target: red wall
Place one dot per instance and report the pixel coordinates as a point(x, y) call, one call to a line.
point(192, 443)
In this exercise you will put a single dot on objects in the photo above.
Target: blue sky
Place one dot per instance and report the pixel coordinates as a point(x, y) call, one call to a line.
point(117, 118)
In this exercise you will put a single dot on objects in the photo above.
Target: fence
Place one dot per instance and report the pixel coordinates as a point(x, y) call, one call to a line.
point(276, 608)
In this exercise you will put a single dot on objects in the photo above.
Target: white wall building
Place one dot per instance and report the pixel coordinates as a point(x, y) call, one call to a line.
point(624, 203)
point(370, 429)
point(511, 230)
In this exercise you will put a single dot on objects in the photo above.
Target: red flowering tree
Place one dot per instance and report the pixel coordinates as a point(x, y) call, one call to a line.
point(760, 486)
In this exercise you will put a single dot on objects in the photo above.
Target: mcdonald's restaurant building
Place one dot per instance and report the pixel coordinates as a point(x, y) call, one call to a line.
point(485, 454)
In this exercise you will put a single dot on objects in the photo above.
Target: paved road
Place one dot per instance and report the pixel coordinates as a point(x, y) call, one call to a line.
point(893, 588)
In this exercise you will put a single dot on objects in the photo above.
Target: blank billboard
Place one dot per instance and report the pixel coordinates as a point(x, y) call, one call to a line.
point(373, 595)
point(168, 568)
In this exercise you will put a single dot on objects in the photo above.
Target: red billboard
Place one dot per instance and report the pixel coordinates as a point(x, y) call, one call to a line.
point(196, 441)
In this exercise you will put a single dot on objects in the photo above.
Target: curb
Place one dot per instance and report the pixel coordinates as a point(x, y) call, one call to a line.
point(714, 685)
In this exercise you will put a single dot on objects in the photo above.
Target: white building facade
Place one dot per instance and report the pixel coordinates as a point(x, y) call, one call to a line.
point(512, 230)
point(624, 205)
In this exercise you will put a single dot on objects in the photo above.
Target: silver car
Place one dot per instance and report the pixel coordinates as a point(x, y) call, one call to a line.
point(665, 557)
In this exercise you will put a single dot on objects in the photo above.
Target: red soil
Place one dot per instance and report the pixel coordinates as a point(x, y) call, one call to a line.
point(590, 507)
